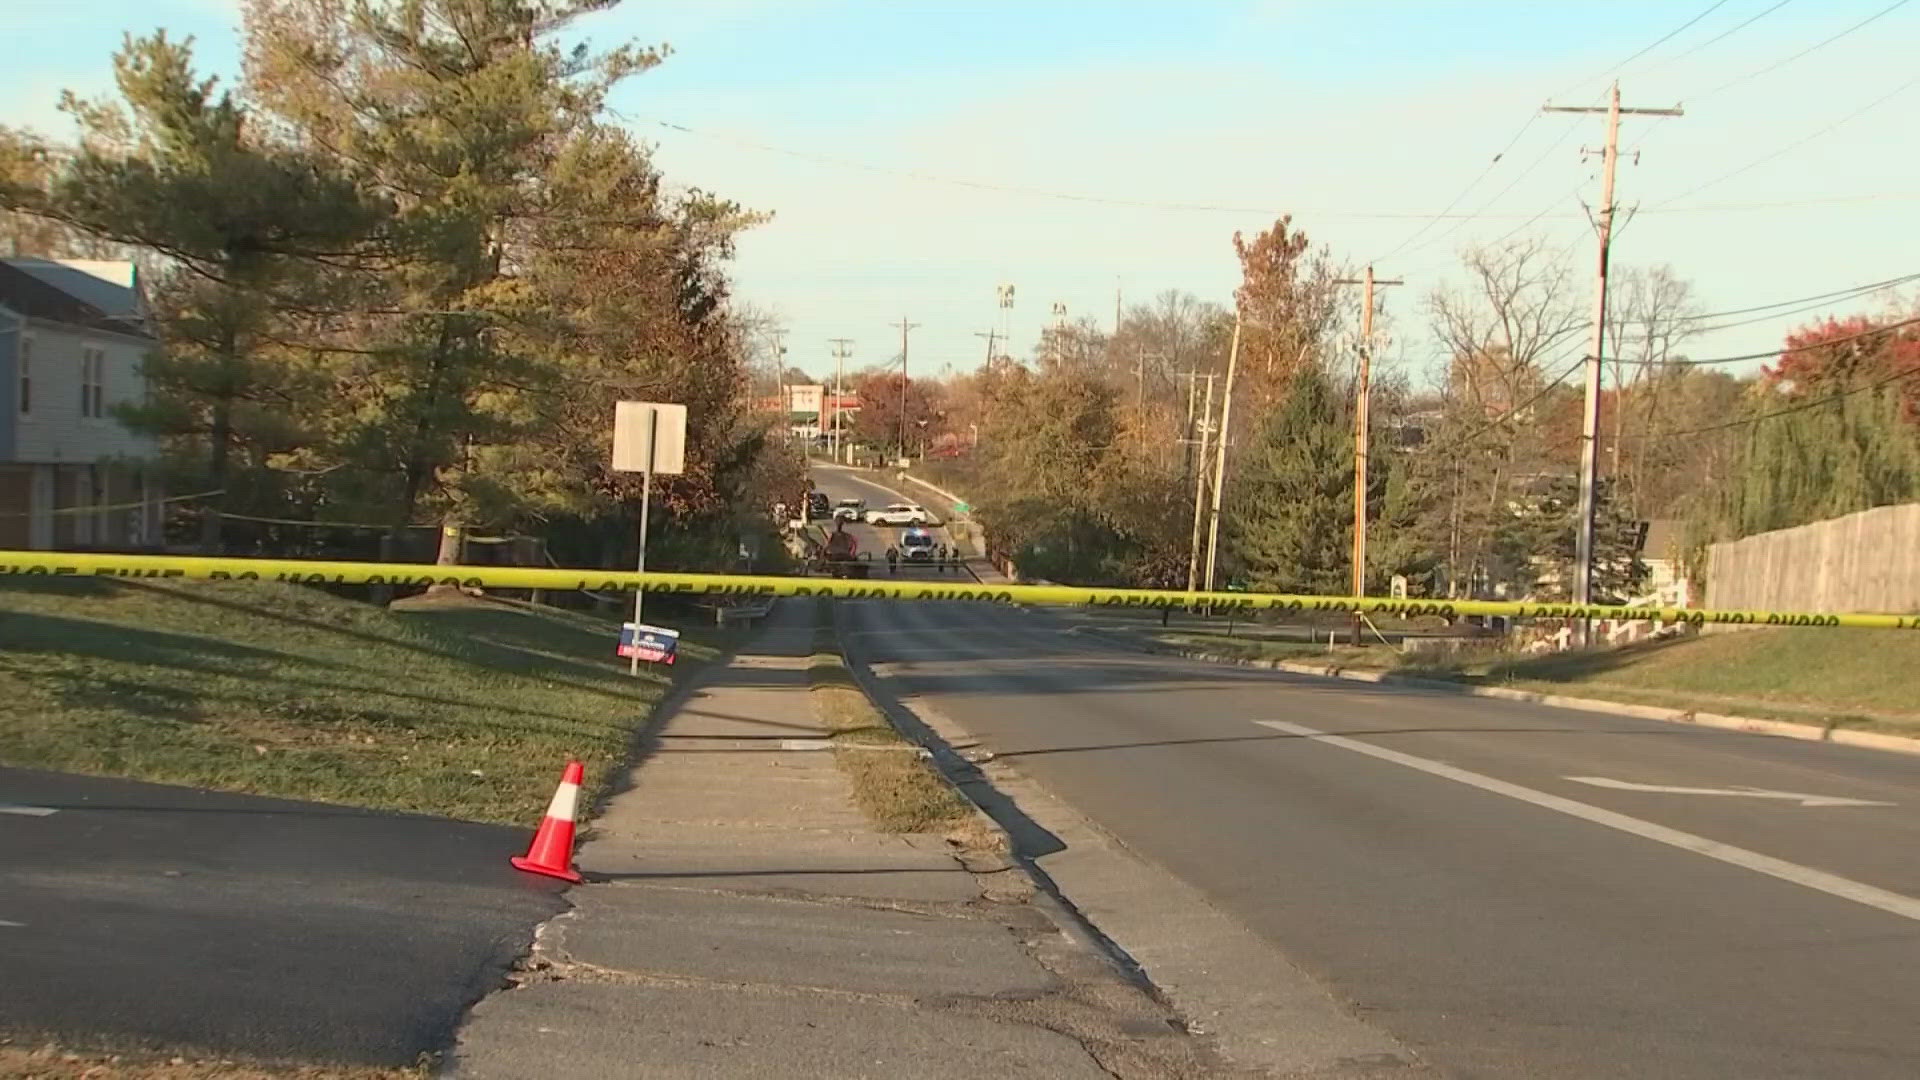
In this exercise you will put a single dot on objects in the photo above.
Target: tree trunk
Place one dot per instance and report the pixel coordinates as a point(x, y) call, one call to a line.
point(452, 542)
point(221, 438)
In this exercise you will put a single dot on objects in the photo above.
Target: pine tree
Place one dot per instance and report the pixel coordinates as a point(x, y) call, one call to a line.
point(183, 172)
point(456, 109)
point(1291, 511)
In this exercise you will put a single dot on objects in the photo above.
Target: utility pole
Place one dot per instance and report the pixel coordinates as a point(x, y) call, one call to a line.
point(1220, 454)
point(1362, 435)
point(1590, 419)
point(904, 327)
point(990, 336)
point(842, 348)
point(1199, 474)
point(780, 373)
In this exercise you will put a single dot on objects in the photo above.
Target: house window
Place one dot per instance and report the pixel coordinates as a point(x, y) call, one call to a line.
point(93, 379)
point(26, 375)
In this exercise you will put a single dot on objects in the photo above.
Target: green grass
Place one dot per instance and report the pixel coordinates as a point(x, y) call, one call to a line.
point(1857, 678)
point(466, 708)
point(898, 791)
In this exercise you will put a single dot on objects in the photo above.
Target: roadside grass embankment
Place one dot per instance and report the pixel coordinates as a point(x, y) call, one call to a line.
point(48, 1062)
point(1827, 677)
point(895, 786)
point(460, 707)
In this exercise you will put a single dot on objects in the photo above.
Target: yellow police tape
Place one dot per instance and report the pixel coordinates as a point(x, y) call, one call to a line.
point(305, 571)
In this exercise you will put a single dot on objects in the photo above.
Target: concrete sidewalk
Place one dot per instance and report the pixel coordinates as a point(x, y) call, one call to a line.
point(743, 920)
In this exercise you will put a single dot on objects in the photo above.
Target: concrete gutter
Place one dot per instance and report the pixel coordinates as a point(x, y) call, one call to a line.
point(1829, 733)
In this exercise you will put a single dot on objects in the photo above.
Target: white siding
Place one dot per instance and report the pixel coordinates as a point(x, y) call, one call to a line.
point(55, 431)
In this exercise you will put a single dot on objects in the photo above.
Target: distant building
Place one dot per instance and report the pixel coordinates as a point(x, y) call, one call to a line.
point(73, 340)
point(810, 409)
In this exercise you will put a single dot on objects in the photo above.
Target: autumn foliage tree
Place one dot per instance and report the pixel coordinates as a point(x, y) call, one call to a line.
point(880, 420)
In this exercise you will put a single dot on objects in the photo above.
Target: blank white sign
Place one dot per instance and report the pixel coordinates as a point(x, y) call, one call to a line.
point(630, 421)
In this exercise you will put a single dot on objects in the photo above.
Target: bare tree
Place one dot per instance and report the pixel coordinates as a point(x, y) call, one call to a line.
point(1504, 335)
point(1651, 313)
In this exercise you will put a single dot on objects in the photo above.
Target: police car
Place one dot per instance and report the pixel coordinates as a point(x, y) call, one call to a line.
point(916, 545)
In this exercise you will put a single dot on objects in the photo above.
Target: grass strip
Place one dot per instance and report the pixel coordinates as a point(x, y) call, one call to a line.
point(897, 788)
point(461, 707)
point(1827, 677)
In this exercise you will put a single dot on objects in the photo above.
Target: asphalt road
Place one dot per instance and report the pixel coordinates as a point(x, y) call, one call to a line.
point(146, 915)
point(875, 539)
point(1431, 860)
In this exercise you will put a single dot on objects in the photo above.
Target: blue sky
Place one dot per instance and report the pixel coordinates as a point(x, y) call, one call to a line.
point(859, 125)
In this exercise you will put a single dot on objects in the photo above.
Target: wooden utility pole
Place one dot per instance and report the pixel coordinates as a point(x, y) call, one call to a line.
point(780, 374)
point(1362, 435)
point(842, 348)
point(904, 327)
point(1199, 474)
point(990, 335)
point(1590, 419)
point(1220, 454)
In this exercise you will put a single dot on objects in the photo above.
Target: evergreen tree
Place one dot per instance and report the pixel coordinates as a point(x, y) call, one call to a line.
point(458, 110)
point(1291, 511)
point(1538, 541)
point(182, 172)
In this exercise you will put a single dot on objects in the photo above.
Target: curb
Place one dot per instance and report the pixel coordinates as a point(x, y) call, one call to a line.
point(1839, 736)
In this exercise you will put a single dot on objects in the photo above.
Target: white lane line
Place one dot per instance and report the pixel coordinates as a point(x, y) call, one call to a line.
point(1744, 792)
point(1832, 884)
point(27, 811)
point(10, 922)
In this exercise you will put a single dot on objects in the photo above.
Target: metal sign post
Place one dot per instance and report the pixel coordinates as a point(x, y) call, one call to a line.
point(646, 499)
point(648, 438)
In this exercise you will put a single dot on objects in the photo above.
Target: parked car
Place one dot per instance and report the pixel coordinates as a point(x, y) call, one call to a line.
point(817, 506)
point(849, 509)
point(898, 514)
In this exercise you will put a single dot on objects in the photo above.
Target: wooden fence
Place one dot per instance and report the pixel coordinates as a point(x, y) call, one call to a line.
point(1867, 562)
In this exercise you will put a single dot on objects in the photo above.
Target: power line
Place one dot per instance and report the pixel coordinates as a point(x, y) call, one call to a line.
point(1770, 353)
point(1817, 46)
point(1798, 143)
point(1803, 406)
point(1717, 38)
point(1428, 217)
point(1510, 413)
point(1793, 307)
point(1662, 40)
point(1471, 184)
point(1524, 173)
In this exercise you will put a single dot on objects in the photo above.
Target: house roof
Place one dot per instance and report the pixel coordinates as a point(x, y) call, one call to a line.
point(54, 292)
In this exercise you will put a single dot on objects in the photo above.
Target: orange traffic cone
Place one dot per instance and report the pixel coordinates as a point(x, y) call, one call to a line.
point(552, 850)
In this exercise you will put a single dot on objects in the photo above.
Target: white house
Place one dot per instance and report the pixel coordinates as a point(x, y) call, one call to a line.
point(73, 339)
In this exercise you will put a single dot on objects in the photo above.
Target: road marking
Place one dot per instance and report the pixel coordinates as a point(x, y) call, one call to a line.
point(1832, 884)
point(10, 922)
point(1746, 792)
point(27, 811)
